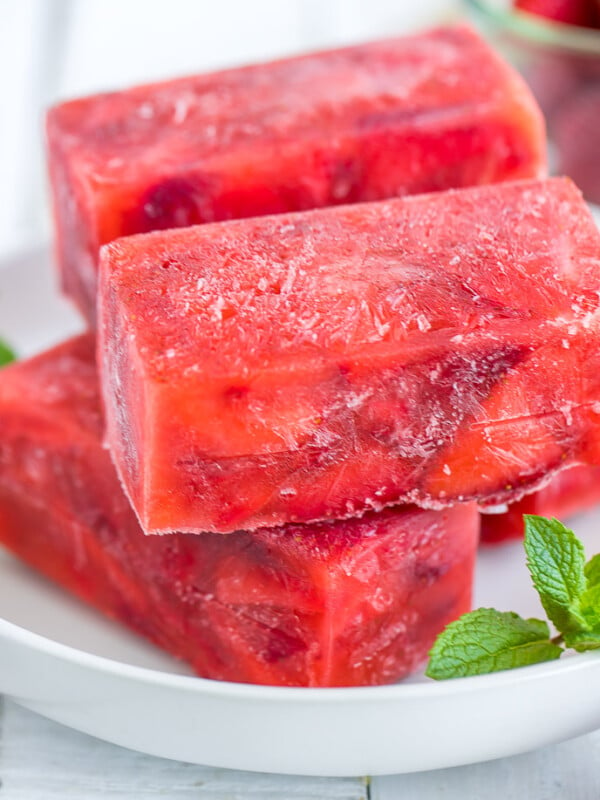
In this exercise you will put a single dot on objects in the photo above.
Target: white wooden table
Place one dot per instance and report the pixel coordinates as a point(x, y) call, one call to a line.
point(41, 760)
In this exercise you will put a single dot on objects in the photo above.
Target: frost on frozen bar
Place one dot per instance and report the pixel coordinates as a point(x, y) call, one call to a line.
point(402, 116)
point(344, 603)
point(570, 492)
point(315, 365)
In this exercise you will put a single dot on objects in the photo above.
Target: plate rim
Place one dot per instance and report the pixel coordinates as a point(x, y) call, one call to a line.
point(275, 694)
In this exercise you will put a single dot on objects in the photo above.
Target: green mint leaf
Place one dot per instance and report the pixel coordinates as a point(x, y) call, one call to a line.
point(589, 602)
point(583, 640)
point(556, 559)
point(7, 354)
point(487, 640)
point(589, 606)
point(592, 571)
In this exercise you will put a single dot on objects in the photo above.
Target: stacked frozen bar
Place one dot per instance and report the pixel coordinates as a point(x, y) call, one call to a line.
point(356, 602)
point(285, 379)
point(432, 349)
point(414, 114)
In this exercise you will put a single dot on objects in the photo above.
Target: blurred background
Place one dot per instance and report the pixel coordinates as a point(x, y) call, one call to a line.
point(55, 49)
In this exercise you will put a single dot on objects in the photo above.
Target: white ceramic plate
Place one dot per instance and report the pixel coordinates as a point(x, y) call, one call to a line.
point(61, 659)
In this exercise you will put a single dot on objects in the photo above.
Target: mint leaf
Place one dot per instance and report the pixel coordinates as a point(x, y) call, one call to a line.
point(556, 560)
point(7, 354)
point(487, 640)
point(568, 587)
point(583, 640)
point(590, 609)
point(589, 603)
point(592, 571)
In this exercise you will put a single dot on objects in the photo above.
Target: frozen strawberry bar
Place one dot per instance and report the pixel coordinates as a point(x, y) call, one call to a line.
point(300, 367)
point(355, 602)
point(570, 492)
point(408, 115)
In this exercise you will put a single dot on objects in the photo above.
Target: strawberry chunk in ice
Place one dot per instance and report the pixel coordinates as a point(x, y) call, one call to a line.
point(415, 114)
point(343, 603)
point(315, 365)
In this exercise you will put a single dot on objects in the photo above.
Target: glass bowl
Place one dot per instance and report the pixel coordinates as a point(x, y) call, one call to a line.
point(561, 64)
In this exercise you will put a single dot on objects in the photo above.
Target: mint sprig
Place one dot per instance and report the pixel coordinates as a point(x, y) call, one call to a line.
point(486, 640)
point(7, 354)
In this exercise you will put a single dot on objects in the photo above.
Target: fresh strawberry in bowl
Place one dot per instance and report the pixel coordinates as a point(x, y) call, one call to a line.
point(584, 13)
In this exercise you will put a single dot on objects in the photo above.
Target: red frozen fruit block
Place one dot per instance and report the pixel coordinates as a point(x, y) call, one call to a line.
point(570, 492)
point(315, 365)
point(341, 603)
point(415, 114)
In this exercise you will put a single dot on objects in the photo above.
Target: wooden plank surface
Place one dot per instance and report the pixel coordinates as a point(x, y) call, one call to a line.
point(567, 771)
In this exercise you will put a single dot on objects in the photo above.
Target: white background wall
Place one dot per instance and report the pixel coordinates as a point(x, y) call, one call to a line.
point(53, 49)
